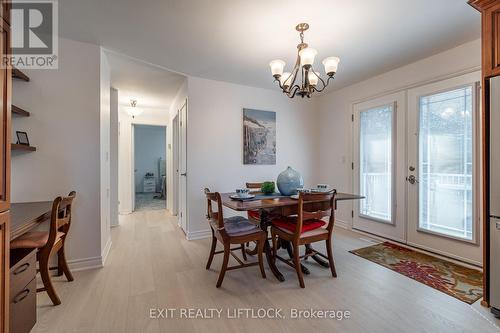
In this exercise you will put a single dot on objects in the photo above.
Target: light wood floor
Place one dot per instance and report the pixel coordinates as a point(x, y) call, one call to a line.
point(152, 265)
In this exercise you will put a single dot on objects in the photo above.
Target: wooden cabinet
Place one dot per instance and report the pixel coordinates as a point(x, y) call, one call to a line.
point(5, 272)
point(490, 27)
point(5, 138)
point(22, 290)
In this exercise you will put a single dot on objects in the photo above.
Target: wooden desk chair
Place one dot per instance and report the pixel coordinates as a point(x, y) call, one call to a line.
point(234, 230)
point(307, 228)
point(49, 243)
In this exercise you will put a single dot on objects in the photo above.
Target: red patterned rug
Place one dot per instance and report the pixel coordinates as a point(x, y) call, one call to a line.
point(461, 282)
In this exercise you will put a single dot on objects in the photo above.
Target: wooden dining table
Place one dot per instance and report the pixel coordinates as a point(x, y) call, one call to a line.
point(285, 206)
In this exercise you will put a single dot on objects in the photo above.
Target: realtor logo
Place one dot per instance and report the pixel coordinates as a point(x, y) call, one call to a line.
point(34, 35)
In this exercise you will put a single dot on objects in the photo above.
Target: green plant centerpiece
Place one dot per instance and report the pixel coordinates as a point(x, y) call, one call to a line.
point(267, 188)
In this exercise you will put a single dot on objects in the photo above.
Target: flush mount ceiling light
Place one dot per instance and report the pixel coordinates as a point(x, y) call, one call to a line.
point(133, 110)
point(309, 81)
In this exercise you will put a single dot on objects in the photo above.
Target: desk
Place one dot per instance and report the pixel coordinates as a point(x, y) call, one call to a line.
point(26, 216)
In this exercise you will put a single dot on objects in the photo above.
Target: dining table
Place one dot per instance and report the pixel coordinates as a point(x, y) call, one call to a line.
point(285, 206)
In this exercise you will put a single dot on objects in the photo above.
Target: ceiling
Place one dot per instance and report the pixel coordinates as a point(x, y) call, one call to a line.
point(152, 87)
point(234, 40)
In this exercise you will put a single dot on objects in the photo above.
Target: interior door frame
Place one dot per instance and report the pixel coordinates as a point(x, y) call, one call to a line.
point(396, 230)
point(183, 169)
point(134, 123)
point(175, 164)
point(425, 239)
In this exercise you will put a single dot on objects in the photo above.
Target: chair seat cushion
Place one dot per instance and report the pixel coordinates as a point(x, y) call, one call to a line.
point(32, 240)
point(288, 224)
point(238, 225)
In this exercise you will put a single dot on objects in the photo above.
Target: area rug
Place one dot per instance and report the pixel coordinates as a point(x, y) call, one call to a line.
point(461, 282)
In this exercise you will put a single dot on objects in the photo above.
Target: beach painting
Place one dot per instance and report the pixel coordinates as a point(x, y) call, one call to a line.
point(259, 137)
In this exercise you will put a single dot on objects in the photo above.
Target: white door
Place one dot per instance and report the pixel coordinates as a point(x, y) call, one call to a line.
point(183, 167)
point(379, 166)
point(443, 192)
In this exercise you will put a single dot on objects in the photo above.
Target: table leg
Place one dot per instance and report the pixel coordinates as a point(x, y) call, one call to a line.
point(264, 225)
point(316, 258)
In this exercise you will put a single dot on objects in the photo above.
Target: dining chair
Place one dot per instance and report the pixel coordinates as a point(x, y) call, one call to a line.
point(229, 231)
point(49, 243)
point(305, 228)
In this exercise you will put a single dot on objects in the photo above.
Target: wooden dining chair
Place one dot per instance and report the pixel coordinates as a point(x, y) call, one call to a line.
point(305, 228)
point(49, 243)
point(229, 231)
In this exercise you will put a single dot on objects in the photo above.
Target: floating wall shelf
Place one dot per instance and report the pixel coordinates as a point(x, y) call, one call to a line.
point(20, 112)
point(17, 74)
point(18, 147)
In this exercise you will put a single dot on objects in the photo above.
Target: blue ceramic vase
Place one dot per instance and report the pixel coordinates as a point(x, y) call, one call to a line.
point(288, 181)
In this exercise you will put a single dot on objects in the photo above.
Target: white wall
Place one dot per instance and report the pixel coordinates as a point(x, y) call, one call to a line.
point(150, 145)
point(215, 135)
point(64, 126)
point(113, 157)
point(126, 186)
point(335, 110)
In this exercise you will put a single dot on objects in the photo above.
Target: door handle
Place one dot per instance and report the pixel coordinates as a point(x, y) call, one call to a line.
point(184, 174)
point(411, 179)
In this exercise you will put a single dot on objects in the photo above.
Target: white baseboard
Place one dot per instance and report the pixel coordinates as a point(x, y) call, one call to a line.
point(343, 224)
point(85, 263)
point(105, 251)
point(199, 234)
point(92, 262)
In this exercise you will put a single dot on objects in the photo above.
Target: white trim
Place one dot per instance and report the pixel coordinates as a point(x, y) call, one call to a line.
point(85, 263)
point(192, 235)
point(105, 251)
point(418, 84)
point(343, 224)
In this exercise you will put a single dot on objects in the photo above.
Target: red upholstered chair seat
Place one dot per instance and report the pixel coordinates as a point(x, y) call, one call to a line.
point(289, 224)
point(254, 214)
point(32, 240)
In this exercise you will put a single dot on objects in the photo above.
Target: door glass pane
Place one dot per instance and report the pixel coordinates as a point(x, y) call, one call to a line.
point(445, 163)
point(376, 144)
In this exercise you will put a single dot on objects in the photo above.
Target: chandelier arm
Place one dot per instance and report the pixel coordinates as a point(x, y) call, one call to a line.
point(324, 84)
point(293, 91)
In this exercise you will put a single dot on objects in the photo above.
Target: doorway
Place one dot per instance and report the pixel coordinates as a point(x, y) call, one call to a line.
point(416, 162)
point(149, 158)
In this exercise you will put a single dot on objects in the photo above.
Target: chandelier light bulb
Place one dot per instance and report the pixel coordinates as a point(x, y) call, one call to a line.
point(331, 64)
point(307, 56)
point(313, 78)
point(277, 67)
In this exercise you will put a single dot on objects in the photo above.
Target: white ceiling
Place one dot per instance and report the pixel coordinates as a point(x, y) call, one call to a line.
point(234, 40)
point(152, 87)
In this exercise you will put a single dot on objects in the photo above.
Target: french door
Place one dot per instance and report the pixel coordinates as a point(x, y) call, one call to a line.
point(443, 167)
point(379, 163)
point(415, 161)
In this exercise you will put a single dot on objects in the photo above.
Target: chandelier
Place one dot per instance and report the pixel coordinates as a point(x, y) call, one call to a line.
point(310, 80)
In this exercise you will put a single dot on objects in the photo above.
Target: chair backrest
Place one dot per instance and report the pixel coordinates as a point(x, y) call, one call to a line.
point(60, 220)
point(216, 217)
point(316, 206)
